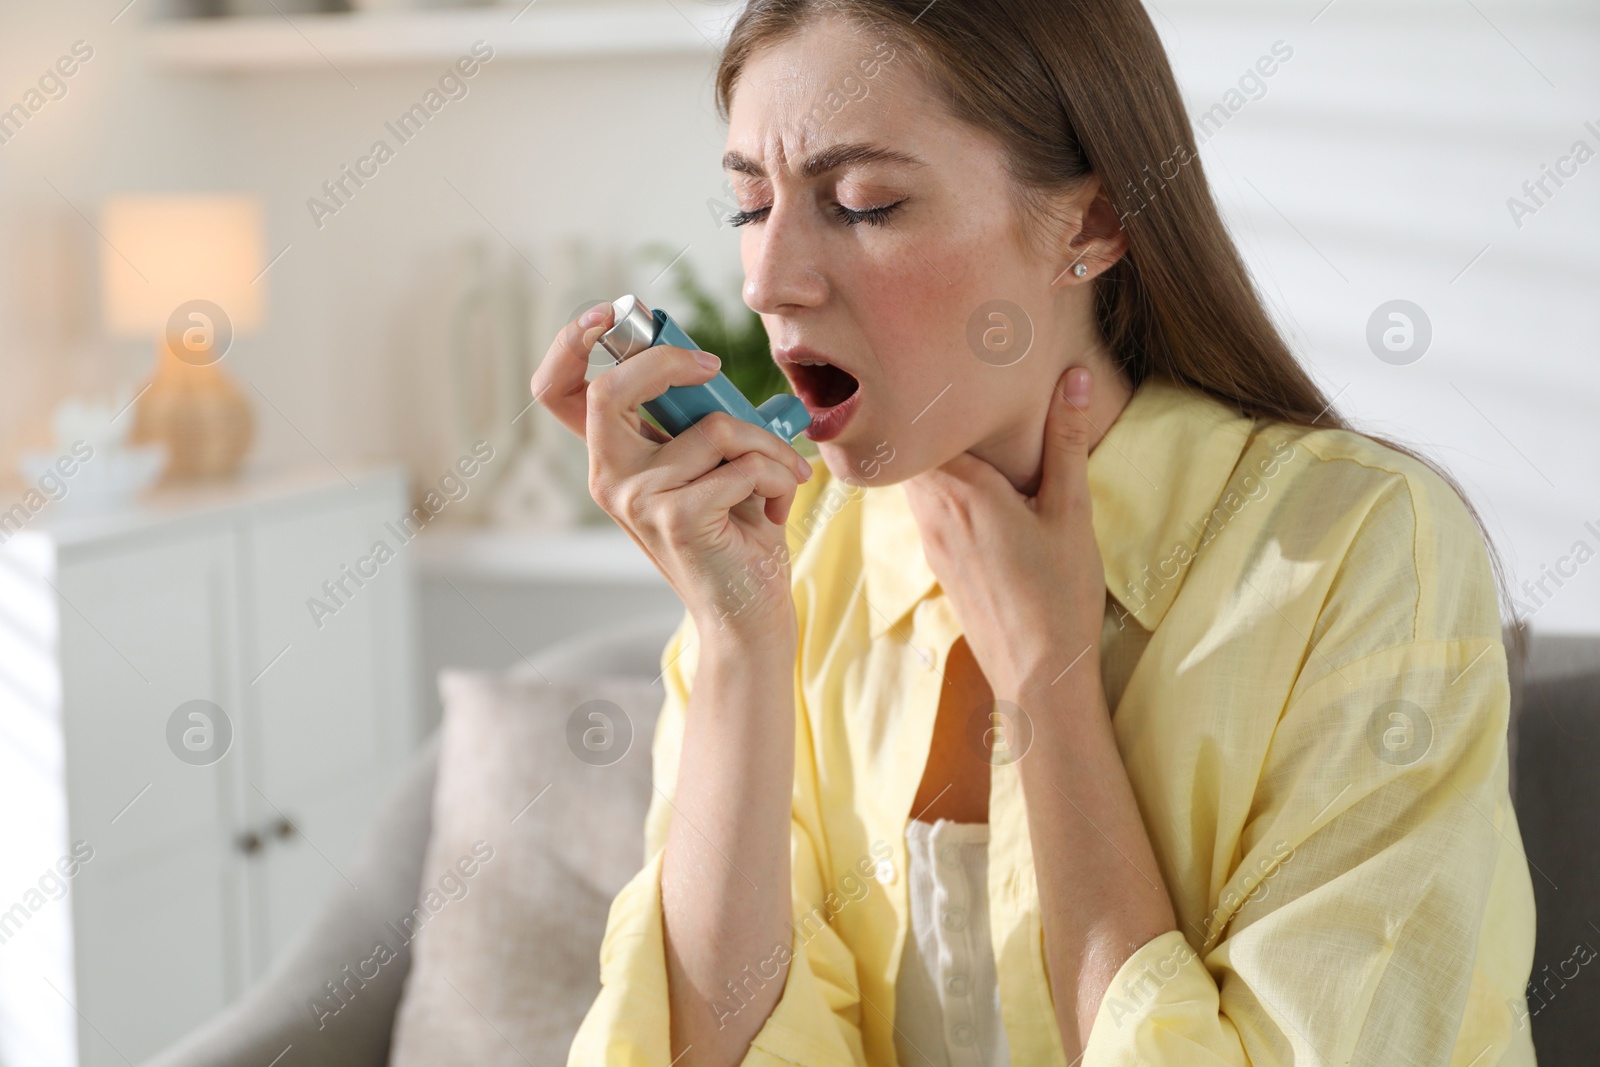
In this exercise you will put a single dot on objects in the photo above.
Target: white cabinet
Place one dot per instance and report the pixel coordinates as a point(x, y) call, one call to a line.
point(191, 870)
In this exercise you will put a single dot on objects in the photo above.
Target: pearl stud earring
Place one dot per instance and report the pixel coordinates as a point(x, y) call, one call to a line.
point(1080, 270)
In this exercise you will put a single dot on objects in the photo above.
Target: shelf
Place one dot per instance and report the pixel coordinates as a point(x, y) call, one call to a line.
point(543, 30)
point(593, 555)
point(170, 507)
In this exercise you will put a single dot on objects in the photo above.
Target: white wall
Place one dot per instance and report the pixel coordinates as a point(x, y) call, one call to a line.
point(354, 353)
point(115, 128)
point(1376, 166)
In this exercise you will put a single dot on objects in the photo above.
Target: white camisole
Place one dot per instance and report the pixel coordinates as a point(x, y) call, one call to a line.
point(947, 997)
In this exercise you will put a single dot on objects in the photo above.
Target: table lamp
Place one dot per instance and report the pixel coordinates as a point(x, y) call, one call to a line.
point(185, 269)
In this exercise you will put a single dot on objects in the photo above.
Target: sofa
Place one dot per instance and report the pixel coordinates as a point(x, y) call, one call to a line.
point(1555, 740)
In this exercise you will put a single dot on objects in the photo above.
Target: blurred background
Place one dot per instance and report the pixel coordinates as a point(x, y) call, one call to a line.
point(389, 211)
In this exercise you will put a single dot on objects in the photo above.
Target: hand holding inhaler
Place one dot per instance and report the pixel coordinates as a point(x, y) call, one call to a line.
point(707, 504)
point(681, 406)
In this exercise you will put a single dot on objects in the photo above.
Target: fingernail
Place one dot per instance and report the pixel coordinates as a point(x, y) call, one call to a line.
point(1079, 384)
point(707, 360)
point(805, 468)
point(593, 316)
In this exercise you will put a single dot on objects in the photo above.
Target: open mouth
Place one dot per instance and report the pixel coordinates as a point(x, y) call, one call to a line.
point(823, 386)
point(830, 393)
point(819, 384)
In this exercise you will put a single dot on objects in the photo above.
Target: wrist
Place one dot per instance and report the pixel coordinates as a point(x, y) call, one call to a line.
point(1060, 708)
point(749, 630)
point(1070, 699)
point(1050, 682)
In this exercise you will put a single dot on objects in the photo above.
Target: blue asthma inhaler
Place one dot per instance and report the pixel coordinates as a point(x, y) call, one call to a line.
point(681, 406)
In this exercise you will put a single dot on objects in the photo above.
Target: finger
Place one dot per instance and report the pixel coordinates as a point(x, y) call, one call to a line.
point(1067, 434)
point(718, 437)
point(614, 429)
point(778, 508)
point(559, 382)
point(967, 470)
point(736, 481)
point(620, 390)
point(962, 485)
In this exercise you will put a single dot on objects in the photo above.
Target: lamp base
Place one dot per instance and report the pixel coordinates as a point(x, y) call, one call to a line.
point(198, 413)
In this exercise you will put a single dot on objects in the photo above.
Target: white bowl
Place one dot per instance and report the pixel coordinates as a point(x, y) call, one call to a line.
point(109, 480)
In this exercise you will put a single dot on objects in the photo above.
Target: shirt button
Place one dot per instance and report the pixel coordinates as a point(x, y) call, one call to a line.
point(954, 918)
point(957, 985)
point(884, 872)
point(962, 1034)
point(950, 855)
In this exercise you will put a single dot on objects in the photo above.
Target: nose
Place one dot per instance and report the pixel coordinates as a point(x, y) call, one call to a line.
point(782, 263)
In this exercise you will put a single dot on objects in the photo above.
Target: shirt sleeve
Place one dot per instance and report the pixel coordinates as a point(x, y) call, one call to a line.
point(1349, 932)
point(816, 1021)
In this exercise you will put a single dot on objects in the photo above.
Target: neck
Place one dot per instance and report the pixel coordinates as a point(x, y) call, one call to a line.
point(1018, 451)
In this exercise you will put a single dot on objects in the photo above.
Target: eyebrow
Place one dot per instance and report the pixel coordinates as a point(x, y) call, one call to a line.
point(845, 155)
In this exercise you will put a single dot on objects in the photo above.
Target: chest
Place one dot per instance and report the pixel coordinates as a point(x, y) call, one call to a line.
point(955, 781)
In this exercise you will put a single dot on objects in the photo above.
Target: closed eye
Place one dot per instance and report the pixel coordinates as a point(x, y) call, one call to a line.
point(745, 218)
point(872, 216)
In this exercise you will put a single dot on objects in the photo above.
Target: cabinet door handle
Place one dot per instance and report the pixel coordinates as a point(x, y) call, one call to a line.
point(249, 842)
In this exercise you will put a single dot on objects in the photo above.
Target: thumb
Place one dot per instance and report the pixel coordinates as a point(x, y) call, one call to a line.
point(1067, 433)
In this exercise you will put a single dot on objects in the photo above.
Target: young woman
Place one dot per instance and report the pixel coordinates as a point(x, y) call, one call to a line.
point(1099, 697)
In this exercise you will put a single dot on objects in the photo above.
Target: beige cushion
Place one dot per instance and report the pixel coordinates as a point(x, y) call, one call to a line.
point(514, 898)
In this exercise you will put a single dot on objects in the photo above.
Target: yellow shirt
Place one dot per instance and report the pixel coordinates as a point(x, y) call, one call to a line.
point(1303, 657)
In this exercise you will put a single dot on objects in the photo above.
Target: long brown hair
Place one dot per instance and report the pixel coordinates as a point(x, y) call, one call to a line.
point(1084, 88)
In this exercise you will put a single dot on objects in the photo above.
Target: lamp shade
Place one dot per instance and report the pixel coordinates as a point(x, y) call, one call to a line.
point(161, 252)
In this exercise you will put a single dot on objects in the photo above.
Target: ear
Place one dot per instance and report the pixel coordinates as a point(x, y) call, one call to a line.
point(1092, 234)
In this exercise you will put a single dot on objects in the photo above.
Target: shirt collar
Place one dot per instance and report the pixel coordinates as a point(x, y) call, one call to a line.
point(1154, 479)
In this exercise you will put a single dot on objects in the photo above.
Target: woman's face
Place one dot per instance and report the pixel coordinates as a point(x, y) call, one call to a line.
point(882, 235)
